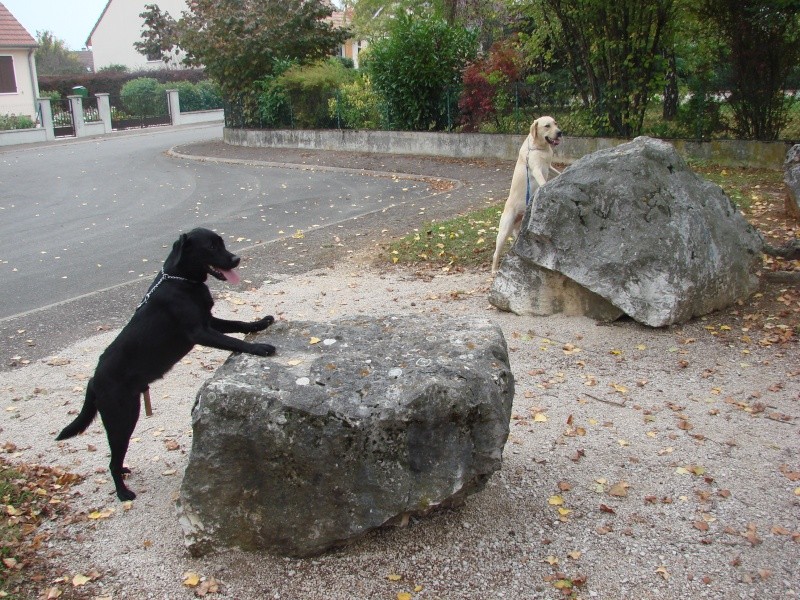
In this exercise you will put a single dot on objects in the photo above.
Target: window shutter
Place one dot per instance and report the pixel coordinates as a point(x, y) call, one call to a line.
point(8, 83)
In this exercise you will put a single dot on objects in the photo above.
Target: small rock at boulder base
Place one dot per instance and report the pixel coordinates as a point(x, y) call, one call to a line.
point(314, 447)
point(791, 176)
point(629, 230)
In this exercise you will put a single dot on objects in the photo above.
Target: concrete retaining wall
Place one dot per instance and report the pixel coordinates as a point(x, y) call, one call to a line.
point(768, 155)
point(22, 136)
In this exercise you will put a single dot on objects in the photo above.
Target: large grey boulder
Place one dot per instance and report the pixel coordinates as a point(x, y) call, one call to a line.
point(629, 230)
point(354, 425)
point(791, 176)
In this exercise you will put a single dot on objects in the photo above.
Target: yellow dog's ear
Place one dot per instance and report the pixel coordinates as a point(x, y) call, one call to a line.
point(534, 129)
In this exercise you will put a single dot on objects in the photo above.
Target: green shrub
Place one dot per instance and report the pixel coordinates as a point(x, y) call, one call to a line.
point(309, 88)
point(144, 96)
point(114, 68)
point(417, 69)
point(210, 95)
point(53, 94)
point(358, 106)
point(9, 122)
point(200, 96)
point(272, 106)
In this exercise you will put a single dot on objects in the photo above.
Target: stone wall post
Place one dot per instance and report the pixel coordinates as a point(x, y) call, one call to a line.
point(46, 112)
point(104, 108)
point(76, 104)
point(173, 99)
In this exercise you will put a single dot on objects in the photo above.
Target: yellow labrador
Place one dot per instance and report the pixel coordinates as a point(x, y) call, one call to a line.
point(532, 170)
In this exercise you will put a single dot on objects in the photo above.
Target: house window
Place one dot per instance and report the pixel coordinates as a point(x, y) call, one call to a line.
point(8, 83)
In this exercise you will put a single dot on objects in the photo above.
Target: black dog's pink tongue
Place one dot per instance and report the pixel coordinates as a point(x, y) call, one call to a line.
point(231, 276)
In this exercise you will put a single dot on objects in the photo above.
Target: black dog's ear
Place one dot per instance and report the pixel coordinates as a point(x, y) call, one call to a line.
point(177, 248)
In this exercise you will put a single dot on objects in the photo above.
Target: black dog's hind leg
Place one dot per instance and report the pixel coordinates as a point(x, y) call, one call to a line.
point(225, 326)
point(119, 429)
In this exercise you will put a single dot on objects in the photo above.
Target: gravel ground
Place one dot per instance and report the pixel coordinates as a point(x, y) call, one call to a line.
point(641, 463)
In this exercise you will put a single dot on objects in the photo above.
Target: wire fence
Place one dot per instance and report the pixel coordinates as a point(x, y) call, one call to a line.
point(504, 109)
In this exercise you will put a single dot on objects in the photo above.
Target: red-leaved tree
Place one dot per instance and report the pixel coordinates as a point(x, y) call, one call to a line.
point(489, 85)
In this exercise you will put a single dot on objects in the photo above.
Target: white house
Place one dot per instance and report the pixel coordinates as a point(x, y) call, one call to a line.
point(119, 27)
point(18, 81)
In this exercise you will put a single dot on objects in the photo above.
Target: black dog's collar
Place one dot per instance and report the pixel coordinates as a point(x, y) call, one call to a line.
point(162, 277)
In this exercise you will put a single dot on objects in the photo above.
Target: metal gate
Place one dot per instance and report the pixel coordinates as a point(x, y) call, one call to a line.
point(139, 110)
point(63, 120)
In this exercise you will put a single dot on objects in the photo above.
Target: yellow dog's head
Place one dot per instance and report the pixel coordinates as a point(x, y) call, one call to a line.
point(545, 131)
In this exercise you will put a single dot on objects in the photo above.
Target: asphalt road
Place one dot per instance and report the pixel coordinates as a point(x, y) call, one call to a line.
point(84, 216)
point(86, 224)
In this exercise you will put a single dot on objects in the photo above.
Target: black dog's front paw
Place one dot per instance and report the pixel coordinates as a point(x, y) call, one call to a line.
point(263, 349)
point(262, 324)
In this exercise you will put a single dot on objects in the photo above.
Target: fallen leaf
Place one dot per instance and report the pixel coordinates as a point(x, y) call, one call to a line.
point(620, 489)
point(191, 579)
point(394, 577)
point(555, 501)
point(80, 580)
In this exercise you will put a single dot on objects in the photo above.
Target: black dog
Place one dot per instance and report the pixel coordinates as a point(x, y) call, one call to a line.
point(174, 316)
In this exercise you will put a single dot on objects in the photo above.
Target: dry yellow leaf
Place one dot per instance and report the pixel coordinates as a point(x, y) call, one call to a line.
point(555, 501)
point(563, 584)
point(314, 340)
point(394, 577)
point(551, 560)
point(80, 580)
point(191, 579)
point(403, 596)
point(574, 555)
point(620, 490)
point(539, 418)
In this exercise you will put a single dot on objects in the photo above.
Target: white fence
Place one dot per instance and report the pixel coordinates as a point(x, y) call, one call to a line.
point(45, 129)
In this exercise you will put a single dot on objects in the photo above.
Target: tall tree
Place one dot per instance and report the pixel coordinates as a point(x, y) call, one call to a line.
point(54, 58)
point(159, 35)
point(760, 42)
point(613, 51)
point(489, 20)
point(239, 41)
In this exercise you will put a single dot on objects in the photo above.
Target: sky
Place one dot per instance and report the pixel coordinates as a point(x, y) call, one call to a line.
point(69, 20)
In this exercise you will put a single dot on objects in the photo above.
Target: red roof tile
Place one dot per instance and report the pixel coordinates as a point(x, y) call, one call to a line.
point(12, 34)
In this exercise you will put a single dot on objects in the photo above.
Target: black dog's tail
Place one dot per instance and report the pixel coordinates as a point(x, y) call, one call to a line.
point(84, 419)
